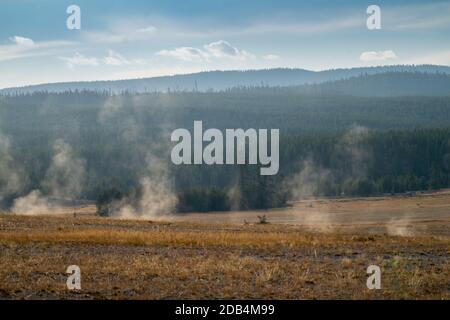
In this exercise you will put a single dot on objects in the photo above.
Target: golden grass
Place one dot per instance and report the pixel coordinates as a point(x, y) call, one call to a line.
point(163, 238)
point(148, 260)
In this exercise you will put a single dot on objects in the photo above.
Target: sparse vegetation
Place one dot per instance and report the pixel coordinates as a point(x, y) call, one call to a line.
point(262, 219)
point(126, 259)
point(130, 259)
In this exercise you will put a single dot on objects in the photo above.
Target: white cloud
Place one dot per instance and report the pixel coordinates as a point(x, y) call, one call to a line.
point(271, 57)
point(112, 59)
point(21, 41)
point(183, 53)
point(370, 56)
point(79, 60)
point(115, 59)
point(21, 47)
point(221, 49)
point(218, 49)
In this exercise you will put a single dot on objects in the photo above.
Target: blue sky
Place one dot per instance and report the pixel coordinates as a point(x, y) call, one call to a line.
point(132, 39)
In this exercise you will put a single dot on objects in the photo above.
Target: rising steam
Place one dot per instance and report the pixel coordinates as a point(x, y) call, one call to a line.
point(156, 196)
point(63, 180)
point(314, 180)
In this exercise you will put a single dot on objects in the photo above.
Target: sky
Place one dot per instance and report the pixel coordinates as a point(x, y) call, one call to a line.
point(145, 38)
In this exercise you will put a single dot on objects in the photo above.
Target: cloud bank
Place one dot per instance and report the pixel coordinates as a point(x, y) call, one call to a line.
point(370, 56)
point(218, 49)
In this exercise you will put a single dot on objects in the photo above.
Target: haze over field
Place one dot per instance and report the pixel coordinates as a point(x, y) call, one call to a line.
point(114, 148)
point(91, 93)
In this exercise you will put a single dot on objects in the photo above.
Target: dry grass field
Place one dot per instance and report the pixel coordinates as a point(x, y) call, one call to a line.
point(317, 249)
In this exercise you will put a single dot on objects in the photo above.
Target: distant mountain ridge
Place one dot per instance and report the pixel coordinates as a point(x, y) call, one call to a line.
point(389, 84)
point(223, 80)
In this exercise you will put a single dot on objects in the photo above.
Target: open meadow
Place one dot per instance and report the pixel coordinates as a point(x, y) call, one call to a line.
point(316, 249)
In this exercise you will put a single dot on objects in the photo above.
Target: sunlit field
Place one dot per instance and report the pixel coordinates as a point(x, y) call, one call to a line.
point(234, 256)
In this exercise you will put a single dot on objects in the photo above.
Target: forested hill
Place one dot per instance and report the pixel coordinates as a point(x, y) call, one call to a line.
point(222, 80)
point(89, 145)
point(391, 84)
